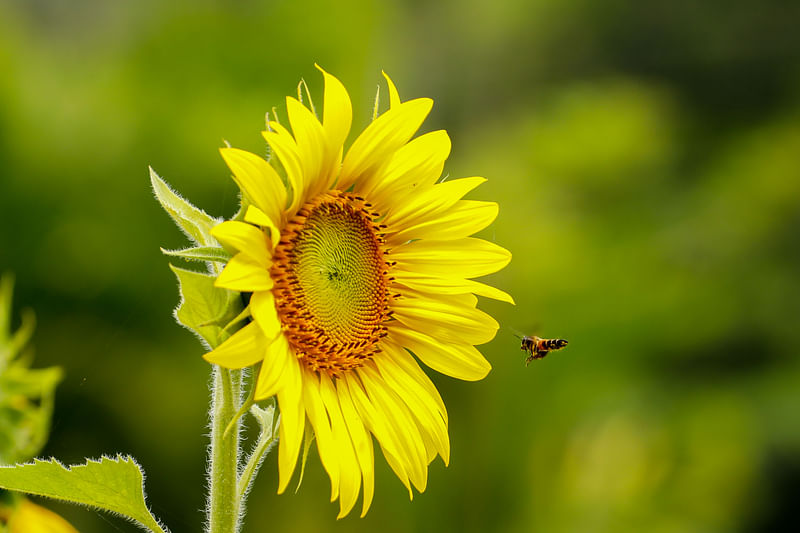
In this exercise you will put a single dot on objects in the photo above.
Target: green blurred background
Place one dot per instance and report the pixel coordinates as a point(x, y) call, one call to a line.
point(646, 158)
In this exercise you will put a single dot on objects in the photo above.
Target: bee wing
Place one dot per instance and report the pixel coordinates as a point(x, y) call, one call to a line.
point(516, 332)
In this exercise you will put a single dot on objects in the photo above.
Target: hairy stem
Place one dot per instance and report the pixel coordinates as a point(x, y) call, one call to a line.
point(223, 498)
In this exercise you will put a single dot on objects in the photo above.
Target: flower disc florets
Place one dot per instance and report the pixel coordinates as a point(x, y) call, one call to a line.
point(331, 282)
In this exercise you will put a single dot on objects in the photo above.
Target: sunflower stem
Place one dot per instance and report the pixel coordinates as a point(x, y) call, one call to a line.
point(223, 499)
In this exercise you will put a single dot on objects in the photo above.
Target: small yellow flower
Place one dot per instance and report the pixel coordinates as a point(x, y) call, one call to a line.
point(362, 259)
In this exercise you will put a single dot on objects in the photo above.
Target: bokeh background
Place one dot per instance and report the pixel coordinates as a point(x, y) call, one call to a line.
point(646, 158)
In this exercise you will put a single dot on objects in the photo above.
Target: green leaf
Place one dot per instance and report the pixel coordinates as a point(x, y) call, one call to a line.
point(29, 382)
point(26, 396)
point(204, 308)
point(114, 485)
point(26, 404)
point(12, 344)
point(193, 221)
point(201, 253)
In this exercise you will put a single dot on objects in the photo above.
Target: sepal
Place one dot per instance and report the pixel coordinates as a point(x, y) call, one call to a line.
point(195, 222)
point(266, 440)
point(201, 253)
point(205, 309)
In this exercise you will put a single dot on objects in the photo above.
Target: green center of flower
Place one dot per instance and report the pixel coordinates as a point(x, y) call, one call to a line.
point(331, 283)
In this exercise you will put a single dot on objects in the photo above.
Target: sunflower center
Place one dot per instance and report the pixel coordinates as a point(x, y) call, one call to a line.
point(331, 282)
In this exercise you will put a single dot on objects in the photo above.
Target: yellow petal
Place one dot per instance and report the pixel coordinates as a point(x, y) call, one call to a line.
point(337, 115)
point(465, 300)
point(462, 361)
point(384, 136)
point(462, 220)
point(312, 146)
point(258, 181)
point(418, 163)
point(244, 274)
point(273, 367)
point(392, 409)
point(256, 216)
point(285, 147)
point(362, 443)
point(395, 454)
point(244, 348)
point(244, 238)
point(318, 416)
point(262, 307)
point(419, 402)
point(434, 285)
point(465, 258)
point(394, 97)
point(442, 320)
point(428, 201)
point(399, 470)
point(409, 365)
point(349, 470)
point(290, 401)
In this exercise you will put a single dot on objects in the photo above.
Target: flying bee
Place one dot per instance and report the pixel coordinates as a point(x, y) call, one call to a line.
point(538, 347)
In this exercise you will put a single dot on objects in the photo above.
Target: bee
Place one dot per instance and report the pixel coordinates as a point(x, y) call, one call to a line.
point(538, 347)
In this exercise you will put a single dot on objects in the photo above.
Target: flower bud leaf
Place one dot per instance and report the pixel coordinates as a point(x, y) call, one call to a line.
point(195, 222)
point(201, 253)
point(115, 485)
point(266, 440)
point(266, 420)
point(204, 308)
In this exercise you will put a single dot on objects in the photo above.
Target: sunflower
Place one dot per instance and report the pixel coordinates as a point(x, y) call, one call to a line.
point(356, 263)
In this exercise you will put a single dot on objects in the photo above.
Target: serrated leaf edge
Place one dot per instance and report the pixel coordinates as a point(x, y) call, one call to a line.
point(119, 458)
